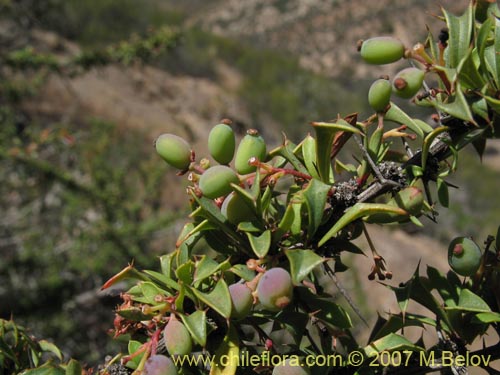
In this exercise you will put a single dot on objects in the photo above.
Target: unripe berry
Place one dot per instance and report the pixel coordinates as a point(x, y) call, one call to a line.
point(174, 150)
point(464, 256)
point(177, 338)
point(379, 95)
point(216, 181)
point(275, 289)
point(407, 82)
point(236, 210)
point(382, 50)
point(241, 299)
point(222, 143)
point(159, 365)
point(252, 145)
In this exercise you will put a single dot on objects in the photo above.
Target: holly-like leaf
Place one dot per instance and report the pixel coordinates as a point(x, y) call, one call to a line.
point(486, 318)
point(205, 267)
point(302, 262)
point(361, 210)
point(315, 196)
point(185, 272)
point(325, 133)
point(469, 301)
point(397, 115)
point(243, 271)
point(330, 313)
point(49, 347)
point(73, 368)
point(260, 244)
point(196, 324)
point(389, 343)
point(46, 369)
point(294, 322)
point(383, 327)
point(218, 299)
point(442, 190)
point(310, 156)
point(460, 32)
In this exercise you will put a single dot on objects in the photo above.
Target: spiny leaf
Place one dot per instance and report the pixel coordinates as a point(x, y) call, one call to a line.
point(218, 299)
point(302, 262)
point(389, 343)
point(260, 244)
point(315, 196)
point(460, 31)
point(357, 211)
point(196, 324)
point(398, 116)
point(325, 133)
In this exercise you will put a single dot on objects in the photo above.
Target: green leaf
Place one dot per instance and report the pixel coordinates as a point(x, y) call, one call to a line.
point(160, 277)
point(196, 324)
point(482, 39)
point(243, 271)
point(133, 346)
point(325, 134)
point(73, 368)
point(260, 244)
point(326, 310)
point(460, 32)
point(396, 322)
point(403, 296)
point(428, 142)
point(492, 58)
point(468, 71)
point(218, 299)
point(49, 347)
point(357, 211)
point(225, 361)
point(46, 369)
point(302, 262)
point(293, 322)
point(389, 343)
point(442, 190)
point(185, 272)
point(397, 115)
point(315, 196)
point(204, 268)
point(310, 156)
point(134, 313)
point(286, 151)
point(486, 317)
point(468, 301)
point(420, 294)
point(439, 282)
point(458, 108)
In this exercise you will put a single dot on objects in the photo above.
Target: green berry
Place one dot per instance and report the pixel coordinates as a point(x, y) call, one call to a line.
point(379, 95)
point(236, 209)
point(174, 150)
point(275, 289)
point(407, 82)
point(177, 337)
point(464, 256)
point(241, 300)
point(252, 145)
point(382, 50)
point(216, 181)
point(222, 143)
